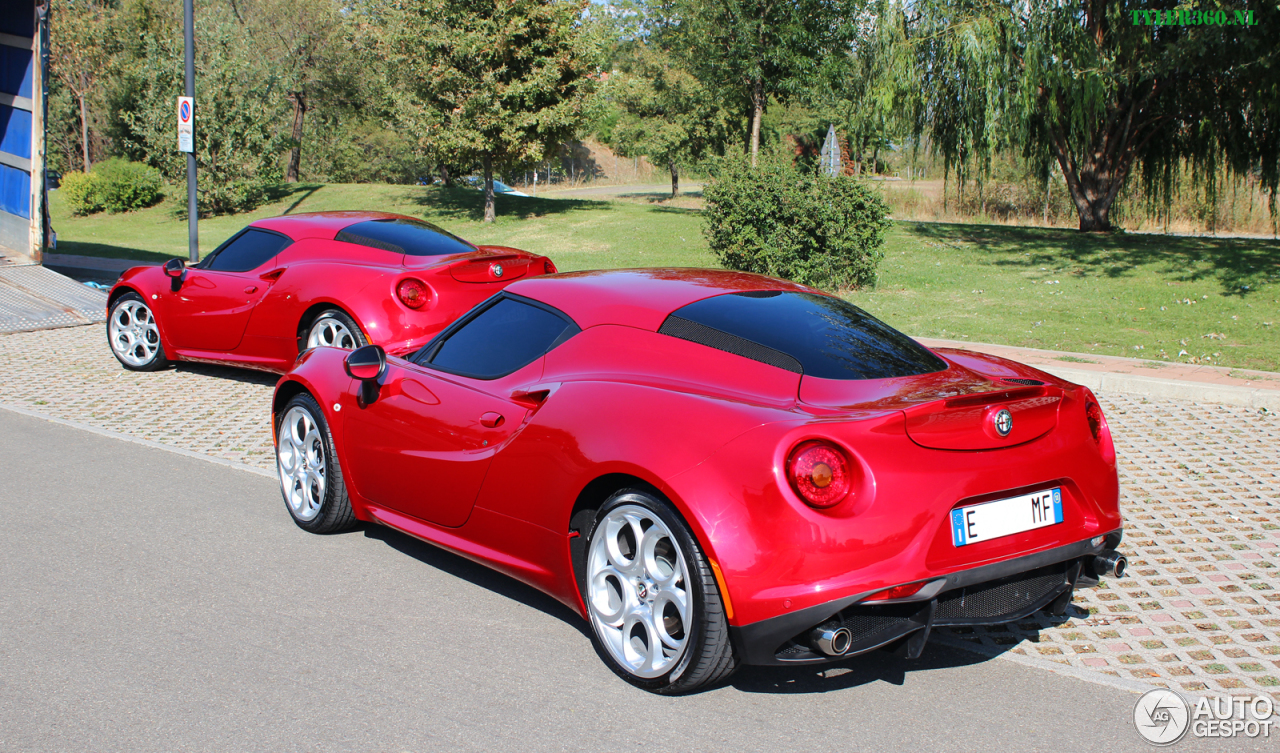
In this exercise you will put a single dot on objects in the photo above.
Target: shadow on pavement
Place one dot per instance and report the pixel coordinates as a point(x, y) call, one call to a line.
point(476, 574)
point(247, 376)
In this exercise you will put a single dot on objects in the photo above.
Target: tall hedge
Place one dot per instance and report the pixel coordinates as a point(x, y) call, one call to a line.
point(781, 220)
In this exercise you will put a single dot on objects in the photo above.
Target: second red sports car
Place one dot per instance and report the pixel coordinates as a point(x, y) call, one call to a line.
point(714, 468)
point(284, 284)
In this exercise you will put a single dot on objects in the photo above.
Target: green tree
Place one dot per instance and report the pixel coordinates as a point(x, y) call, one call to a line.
point(1102, 88)
point(238, 111)
point(665, 113)
point(83, 41)
point(503, 82)
point(751, 50)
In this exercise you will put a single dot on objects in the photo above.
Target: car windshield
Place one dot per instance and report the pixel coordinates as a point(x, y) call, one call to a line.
point(405, 236)
point(815, 335)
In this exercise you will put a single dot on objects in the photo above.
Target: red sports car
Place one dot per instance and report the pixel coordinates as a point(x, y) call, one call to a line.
point(289, 283)
point(714, 468)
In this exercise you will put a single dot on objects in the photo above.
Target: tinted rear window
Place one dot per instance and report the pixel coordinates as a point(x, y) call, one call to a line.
point(248, 250)
point(815, 335)
point(506, 336)
point(404, 236)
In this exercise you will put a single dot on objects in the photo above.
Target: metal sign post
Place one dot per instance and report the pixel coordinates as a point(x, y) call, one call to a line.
point(188, 20)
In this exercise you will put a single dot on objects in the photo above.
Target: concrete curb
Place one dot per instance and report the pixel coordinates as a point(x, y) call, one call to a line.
point(138, 440)
point(1168, 389)
point(94, 263)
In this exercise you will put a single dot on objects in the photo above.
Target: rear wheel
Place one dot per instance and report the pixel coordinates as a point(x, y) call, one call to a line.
point(133, 334)
point(334, 329)
point(656, 612)
point(310, 477)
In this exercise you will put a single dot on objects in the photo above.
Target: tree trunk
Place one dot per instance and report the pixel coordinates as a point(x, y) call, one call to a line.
point(489, 213)
point(84, 131)
point(757, 110)
point(295, 154)
point(446, 177)
point(675, 179)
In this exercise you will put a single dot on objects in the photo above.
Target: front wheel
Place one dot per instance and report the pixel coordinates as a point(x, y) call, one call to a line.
point(656, 612)
point(310, 477)
point(133, 334)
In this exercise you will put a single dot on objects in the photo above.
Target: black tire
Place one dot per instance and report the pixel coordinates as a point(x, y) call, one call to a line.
point(134, 338)
point(328, 511)
point(333, 320)
point(708, 656)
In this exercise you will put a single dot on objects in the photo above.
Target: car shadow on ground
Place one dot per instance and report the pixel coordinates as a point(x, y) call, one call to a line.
point(479, 575)
point(1240, 266)
point(247, 376)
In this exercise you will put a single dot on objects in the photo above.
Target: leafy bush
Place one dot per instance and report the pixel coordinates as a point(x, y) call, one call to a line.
point(125, 186)
point(778, 220)
point(81, 191)
point(116, 185)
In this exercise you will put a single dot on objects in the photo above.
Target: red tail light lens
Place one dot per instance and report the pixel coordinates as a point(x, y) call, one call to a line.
point(412, 293)
point(897, 592)
point(548, 267)
point(1093, 414)
point(819, 472)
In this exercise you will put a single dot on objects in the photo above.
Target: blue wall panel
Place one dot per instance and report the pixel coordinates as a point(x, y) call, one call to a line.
point(15, 131)
point(15, 71)
point(18, 17)
point(15, 191)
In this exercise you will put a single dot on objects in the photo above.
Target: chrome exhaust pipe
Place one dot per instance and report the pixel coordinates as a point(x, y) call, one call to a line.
point(1111, 564)
point(831, 639)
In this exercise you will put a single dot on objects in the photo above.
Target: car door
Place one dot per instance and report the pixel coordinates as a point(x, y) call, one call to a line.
point(211, 306)
point(423, 444)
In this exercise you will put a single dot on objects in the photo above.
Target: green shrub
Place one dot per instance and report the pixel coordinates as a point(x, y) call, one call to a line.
point(116, 185)
point(778, 220)
point(126, 186)
point(81, 190)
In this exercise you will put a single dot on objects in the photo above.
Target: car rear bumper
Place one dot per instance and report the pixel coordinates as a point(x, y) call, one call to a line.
point(987, 595)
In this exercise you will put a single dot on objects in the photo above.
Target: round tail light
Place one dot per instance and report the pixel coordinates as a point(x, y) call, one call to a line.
point(1093, 414)
point(548, 267)
point(819, 472)
point(412, 293)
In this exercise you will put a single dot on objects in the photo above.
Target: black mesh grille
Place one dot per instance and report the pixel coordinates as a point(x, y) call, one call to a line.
point(867, 625)
point(360, 240)
point(1004, 598)
point(714, 338)
point(1028, 382)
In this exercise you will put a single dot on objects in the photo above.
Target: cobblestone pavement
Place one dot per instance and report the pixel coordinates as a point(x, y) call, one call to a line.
point(1199, 611)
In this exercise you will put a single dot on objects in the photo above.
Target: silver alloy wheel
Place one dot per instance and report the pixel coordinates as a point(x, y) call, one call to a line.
point(135, 339)
point(638, 589)
point(301, 458)
point(333, 333)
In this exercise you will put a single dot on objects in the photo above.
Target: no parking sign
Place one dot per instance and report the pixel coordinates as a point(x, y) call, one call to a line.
point(186, 121)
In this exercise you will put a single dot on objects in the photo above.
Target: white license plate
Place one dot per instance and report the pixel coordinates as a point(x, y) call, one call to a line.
point(1005, 517)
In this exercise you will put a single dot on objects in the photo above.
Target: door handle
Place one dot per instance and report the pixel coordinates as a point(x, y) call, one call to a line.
point(491, 420)
point(251, 289)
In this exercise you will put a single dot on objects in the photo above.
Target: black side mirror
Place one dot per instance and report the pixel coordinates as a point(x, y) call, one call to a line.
point(368, 364)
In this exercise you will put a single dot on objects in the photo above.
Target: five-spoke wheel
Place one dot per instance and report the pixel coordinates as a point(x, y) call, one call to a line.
point(655, 609)
point(133, 334)
point(310, 477)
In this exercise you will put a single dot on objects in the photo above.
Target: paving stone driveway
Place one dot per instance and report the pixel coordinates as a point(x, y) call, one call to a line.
point(1201, 483)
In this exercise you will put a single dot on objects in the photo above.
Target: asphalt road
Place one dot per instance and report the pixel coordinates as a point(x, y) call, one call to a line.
point(155, 602)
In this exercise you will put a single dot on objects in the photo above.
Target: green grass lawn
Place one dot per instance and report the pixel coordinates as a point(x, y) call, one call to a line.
point(1146, 296)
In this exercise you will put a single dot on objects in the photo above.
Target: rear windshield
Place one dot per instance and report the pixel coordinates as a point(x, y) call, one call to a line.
point(405, 236)
point(810, 334)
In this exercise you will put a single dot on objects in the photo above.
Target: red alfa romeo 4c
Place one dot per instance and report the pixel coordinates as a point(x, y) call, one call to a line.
point(714, 468)
point(285, 284)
